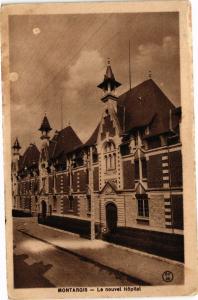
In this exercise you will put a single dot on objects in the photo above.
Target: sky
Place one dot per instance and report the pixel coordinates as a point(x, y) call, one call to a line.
point(58, 59)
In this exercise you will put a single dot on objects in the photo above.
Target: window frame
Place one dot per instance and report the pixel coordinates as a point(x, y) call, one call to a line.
point(145, 214)
point(71, 201)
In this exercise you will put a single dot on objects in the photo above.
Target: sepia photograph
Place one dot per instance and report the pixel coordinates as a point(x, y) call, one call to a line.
point(96, 163)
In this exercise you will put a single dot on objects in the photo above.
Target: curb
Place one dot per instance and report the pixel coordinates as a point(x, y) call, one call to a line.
point(86, 259)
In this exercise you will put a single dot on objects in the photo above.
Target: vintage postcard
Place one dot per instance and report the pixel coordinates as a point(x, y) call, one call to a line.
point(99, 149)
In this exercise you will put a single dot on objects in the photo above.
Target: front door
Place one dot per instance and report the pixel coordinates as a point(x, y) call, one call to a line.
point(111, 217)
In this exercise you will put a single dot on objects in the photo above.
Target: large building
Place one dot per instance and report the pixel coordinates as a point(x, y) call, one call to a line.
point(127, 175)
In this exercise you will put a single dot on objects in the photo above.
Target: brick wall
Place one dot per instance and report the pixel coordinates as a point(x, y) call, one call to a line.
point(128, 174)
point(107, 127)
point(131, 211)
point(154, 171)
point(66, 183)
point(96, 178)
point(65, 207)
point(58, 183)
point(74, 181)
point(51, 184)
point(176, 168)
point(83, 180)
point(156, 211)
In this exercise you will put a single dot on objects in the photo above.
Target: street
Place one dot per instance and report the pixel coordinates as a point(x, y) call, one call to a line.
point(39, 264)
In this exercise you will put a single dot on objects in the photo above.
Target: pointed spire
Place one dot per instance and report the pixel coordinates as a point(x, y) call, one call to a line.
point(45, 126)
point(109, 83)
point(16, 145)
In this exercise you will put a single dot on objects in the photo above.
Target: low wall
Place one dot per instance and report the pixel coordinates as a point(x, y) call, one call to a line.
point(163, 244)
point(21, 213)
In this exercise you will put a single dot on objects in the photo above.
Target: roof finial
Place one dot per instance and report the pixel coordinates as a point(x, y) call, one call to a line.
point(108, 61)
point(149, 74)
point(45, 114)
point(69, 123)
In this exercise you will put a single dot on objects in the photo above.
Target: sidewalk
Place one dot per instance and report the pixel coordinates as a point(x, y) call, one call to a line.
point(146, 267)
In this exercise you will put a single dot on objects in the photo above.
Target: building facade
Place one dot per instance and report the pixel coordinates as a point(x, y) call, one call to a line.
point(128, 174)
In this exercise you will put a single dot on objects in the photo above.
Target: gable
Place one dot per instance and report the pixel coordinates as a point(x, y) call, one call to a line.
point(107, 127)
point(109, 188)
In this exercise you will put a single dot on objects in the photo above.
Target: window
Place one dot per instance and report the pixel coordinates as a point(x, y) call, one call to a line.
point(137, 172)
point(154, 142)
point(88, 203)
point(144, 168)
point(95, 155)
point(143, 207)
point(110, 156)
point(71, 203)
point(54, 203)
point(125, 149)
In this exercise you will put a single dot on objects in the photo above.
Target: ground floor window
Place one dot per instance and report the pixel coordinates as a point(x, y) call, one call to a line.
point(54, 203)
point(88, 203)
point(177, 211)
point(71, 203)
point(143, 207)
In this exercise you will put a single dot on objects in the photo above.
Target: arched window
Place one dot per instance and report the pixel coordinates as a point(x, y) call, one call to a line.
point(110, 156)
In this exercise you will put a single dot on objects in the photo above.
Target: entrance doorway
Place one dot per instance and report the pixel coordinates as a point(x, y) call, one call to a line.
point(44, 209)
point(111, 217)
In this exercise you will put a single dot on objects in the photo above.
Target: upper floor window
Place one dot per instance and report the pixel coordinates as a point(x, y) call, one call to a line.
point(95, 155)
point(144, 168)
point(125, 149)
point(137, 171)
point(110, 156)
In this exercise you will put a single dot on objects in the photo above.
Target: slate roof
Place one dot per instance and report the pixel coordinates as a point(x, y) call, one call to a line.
point(16, 144)
point(45, 126)
point(30, 157)
point(63, 142)
point(144, 105)
point(109, 78)
point(93, 138)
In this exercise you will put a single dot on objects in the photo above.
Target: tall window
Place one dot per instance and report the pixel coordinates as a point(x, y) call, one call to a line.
point(71, 203)
point(110, 156)
point(54, 203)
point(144, 168)
point(88, 203)
point(143, 207)
point(95, 155)
point(137, 171)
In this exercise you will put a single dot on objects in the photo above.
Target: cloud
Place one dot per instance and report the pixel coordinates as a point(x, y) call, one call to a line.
point(150, 53)
point(85, 71)
point(80, 94)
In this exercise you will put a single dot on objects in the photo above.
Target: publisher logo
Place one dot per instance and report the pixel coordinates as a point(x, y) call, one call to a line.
point(167, 276)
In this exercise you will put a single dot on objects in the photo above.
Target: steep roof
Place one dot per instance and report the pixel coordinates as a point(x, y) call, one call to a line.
point(109, 78)
point(16, 144)
point(143, 105)
point(93, 138)
point(45, 126)
point(63, 142)
point(30, 157)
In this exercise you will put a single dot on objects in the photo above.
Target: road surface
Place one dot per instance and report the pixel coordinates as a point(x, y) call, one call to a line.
point(38, 264)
